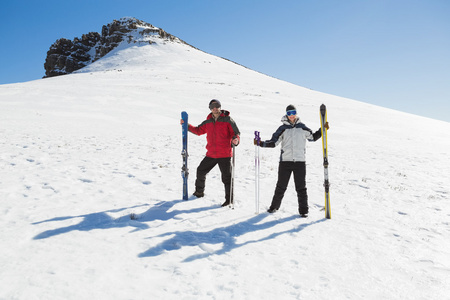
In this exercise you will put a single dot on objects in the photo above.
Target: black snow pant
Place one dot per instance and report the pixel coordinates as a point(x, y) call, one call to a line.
point(206, 165)
point(285, 169)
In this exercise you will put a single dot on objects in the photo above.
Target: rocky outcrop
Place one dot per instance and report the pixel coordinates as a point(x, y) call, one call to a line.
point(66, 56)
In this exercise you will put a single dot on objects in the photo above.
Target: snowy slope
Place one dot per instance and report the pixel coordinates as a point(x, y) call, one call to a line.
point(81, 153)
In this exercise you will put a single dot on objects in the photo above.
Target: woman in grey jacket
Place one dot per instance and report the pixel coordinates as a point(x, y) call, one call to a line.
point(292, 135)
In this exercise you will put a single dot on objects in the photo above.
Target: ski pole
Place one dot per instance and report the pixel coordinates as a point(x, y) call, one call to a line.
point(232, 176)
point(258, 141)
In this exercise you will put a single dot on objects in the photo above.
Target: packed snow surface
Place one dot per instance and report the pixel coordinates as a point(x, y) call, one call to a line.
point(91, 189)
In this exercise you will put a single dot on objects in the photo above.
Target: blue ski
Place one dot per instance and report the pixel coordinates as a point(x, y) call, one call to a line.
point(184, 154)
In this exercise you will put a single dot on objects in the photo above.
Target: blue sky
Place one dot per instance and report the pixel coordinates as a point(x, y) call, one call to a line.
point(392, 53)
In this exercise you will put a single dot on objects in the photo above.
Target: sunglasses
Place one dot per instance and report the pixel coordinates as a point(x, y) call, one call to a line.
point(214, 105)
point(291, 112)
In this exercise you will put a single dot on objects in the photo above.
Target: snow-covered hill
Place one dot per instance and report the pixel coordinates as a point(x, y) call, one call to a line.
point(90, 189)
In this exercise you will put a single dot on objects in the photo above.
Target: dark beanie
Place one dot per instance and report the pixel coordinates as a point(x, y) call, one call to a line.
point(290, 107)
point(215, 100)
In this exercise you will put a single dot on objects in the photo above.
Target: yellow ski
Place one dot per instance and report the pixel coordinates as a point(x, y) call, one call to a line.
point(323, 120)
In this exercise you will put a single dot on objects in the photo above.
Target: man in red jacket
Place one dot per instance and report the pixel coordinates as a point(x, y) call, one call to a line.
point(221, 131)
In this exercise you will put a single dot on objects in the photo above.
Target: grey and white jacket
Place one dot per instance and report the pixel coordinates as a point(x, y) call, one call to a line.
point(293, 139)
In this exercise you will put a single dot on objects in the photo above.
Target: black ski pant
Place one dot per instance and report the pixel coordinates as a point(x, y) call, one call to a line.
point(206, 165)
point(285, 169)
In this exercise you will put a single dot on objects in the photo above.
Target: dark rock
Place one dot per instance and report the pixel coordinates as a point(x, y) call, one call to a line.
point(66, 56)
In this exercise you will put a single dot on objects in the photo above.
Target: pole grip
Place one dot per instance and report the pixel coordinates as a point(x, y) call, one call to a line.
point(257, 138)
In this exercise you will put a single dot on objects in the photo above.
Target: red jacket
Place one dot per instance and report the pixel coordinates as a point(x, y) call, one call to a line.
point(219, 134)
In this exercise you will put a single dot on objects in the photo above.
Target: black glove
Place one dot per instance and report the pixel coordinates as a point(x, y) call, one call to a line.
point(255, 142)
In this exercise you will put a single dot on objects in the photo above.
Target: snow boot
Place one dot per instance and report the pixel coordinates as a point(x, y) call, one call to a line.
point(198, 194)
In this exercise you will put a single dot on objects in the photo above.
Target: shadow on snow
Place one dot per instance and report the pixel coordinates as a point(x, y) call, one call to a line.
point(101, 220)
point(224, 235)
